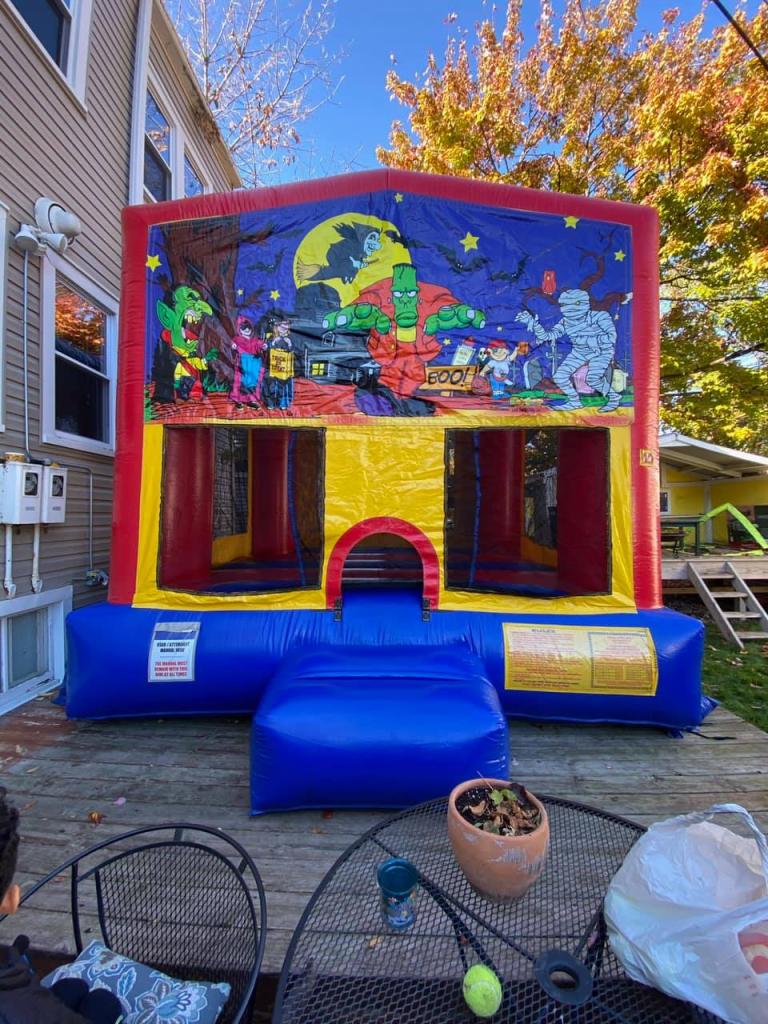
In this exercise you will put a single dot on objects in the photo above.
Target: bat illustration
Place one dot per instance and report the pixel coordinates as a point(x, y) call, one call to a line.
point(408, 243)
point(510, 275)
point(268, 268)
point(459, 266)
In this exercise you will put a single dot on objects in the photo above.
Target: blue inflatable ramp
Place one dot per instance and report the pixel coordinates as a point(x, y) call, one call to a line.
point(368, 727)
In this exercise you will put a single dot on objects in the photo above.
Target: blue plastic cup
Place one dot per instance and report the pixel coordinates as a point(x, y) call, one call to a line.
point(397, 879)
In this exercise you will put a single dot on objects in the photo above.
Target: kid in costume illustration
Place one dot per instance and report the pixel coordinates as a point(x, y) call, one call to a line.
point(592, 334)
point(248, 350)
point(499, 368)
point(402, 316)
point(177, 370)
point(277, 386)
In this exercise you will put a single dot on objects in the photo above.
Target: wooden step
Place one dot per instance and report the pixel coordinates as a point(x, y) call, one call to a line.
point(728, 593)
point(755, 635)
point(742, 615)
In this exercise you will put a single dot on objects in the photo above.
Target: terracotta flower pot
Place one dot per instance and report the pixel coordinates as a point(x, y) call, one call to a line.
point(498, 867)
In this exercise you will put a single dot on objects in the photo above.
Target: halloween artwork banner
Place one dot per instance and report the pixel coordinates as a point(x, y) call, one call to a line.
point(386, 304)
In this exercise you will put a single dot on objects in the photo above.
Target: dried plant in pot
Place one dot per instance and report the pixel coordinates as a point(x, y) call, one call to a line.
point(500, 836)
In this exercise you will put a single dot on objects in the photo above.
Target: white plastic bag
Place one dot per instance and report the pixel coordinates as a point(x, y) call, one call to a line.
point(687, 913)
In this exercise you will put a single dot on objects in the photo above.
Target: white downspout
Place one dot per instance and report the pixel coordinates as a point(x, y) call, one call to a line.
point(25, 347)
point(138, 105)
point(8, 585)
point(37, 583)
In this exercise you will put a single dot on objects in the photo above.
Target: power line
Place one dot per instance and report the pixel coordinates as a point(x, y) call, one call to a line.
point(727, 14)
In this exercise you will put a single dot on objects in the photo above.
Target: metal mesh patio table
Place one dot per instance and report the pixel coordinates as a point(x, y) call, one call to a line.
point(346, 966)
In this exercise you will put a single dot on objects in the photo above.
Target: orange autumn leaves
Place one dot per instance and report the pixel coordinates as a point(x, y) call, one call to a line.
point(678, 120)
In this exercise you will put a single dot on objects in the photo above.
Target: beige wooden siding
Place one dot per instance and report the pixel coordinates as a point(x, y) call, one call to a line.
point(165, 67)
point(50, 146)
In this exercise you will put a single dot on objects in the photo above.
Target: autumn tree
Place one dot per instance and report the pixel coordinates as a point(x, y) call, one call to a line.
point(262, 69)
point(678, 120)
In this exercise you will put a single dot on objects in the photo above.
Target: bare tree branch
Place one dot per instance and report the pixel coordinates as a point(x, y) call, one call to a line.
point(263, 68)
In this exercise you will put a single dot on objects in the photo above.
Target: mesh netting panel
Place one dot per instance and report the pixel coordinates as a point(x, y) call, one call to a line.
point(347, 967)
point(230, 505)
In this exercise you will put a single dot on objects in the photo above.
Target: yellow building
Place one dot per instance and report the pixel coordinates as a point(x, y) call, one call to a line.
point(696, 477)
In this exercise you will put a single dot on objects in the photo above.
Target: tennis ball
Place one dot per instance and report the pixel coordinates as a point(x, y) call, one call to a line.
point(482, 991)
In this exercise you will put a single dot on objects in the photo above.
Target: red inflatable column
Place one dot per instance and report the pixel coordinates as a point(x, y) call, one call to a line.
point(582, 511)
point(187, 507)
point(501, 454)
point(272, 538)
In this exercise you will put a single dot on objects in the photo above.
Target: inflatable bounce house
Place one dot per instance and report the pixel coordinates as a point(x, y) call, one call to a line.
point(386, 473)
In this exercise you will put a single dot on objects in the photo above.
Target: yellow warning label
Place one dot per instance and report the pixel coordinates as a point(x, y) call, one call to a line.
point(580, 659)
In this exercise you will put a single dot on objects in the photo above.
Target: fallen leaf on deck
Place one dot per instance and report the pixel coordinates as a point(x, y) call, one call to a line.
point(327, 814)
point(120, 801)
point(318, 831)
point(373, 943)
point(30, 770)
point(96, 817)
point(29, 806)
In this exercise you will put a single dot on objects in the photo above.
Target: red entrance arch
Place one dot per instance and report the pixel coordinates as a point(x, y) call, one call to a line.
point(384, 524)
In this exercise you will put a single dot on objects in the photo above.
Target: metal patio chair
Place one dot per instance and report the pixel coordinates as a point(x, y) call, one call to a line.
point(184, 899)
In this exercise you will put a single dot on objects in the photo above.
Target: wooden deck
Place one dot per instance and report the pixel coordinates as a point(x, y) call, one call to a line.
point(752, 567)
point(196, 770)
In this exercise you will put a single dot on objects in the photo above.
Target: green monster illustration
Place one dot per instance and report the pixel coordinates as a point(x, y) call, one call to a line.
point(177, 370)
point(403, 341)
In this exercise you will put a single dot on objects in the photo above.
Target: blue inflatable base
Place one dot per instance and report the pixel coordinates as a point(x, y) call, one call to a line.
point(239, 652)
point(338, 729)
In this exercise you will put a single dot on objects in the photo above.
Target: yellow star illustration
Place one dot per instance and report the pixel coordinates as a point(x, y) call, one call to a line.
point(469, 241)
point(446, 341)
point(399, 197)
point(619, 255)
point(239, 291)
point(571, 222)
point(274, 295)
point(153, 262)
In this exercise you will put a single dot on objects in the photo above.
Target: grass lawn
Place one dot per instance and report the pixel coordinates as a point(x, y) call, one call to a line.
point(738, 679)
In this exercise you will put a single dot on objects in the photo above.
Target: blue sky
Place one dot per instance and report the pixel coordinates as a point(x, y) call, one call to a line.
point(343, 134)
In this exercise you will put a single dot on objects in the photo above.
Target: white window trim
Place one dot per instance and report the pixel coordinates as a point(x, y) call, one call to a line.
point(75, 76)
point(180, 144)
point(59, 603)
point(53, 265)
point(4, 242)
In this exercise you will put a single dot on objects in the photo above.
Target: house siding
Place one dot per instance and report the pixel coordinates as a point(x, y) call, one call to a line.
point(51, 146)
point(79, 154)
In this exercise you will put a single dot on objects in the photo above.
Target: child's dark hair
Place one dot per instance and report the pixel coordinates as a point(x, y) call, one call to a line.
point(9, 842)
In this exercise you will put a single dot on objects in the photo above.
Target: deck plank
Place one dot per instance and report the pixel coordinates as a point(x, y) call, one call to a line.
point(58, 771)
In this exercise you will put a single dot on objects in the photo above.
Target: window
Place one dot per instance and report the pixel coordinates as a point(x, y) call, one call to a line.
point(170, 171)
point(664, 501)
point(32, 645)
point(61, 29)
point(193, 185)
point(27, 647)
point(225, 530)
point(50, 21)
point(519, 519)
point(80, 332)
point(157, 152)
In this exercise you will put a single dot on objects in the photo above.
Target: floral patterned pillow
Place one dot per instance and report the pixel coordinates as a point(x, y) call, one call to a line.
point(148, 996)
